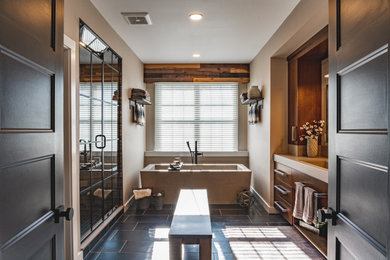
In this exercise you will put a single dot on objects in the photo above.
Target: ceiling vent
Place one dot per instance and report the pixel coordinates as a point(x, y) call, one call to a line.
point(137, 18)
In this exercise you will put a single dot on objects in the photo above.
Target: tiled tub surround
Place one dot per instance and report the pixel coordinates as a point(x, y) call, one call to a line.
point(222, 181)
point(144, 234)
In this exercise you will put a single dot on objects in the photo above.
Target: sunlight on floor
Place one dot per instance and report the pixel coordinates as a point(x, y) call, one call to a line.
point(252, 232)
point(159, 233)
point(246, 250)
point(160, 250)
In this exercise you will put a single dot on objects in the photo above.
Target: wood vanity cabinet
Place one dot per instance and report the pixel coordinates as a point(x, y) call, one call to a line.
point(284, 198)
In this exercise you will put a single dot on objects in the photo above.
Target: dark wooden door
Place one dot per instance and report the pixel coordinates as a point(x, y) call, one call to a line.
point(31, 131)
point(359, 32)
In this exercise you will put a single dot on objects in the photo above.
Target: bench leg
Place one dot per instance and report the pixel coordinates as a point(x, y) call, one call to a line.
point(175, 249)
point(205, 249)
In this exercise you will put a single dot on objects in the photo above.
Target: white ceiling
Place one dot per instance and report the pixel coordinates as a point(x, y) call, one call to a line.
point(232, 31)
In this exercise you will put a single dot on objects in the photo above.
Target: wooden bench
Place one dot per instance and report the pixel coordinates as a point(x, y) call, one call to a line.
point(191, 224)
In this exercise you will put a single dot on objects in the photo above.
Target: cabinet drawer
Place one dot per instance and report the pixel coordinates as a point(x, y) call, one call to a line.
point(285, 210)
point(283, 174)
point(284, 192)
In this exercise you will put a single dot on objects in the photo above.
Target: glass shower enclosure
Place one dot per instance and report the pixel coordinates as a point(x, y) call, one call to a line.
point(100, 171)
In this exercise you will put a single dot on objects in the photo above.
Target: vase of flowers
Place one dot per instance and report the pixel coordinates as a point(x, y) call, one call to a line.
point(311, 133)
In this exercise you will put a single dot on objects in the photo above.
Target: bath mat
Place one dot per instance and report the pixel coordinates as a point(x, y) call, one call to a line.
point(269, 242)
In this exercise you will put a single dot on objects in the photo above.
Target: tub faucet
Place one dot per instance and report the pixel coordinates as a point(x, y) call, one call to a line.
point(194, 154)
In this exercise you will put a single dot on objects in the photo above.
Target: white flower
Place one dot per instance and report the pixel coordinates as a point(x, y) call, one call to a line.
point(301, 139)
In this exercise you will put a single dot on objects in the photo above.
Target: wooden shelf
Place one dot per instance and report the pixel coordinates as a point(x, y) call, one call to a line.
point(252, 101)
point(320, 243)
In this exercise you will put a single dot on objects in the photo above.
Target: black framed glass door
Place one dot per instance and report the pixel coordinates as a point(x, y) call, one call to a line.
point(100, 176)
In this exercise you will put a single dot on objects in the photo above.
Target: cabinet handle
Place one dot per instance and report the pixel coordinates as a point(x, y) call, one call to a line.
point(283, 191)
point(280, 172)
point(280, 207)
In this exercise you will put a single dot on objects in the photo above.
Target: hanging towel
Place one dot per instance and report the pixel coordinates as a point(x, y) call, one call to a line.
point(308, 209)
point(298, 206)
point(315, 208)
point(140, 115)
point(244, 97)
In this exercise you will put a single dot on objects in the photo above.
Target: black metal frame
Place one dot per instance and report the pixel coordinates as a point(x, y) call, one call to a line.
point(114, 172)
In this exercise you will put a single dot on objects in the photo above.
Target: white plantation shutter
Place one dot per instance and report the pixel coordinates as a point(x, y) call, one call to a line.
point(205, 112)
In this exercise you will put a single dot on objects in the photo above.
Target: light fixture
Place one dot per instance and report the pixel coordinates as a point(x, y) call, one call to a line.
point(196, 16)
point(195, 55)
point(326, 76)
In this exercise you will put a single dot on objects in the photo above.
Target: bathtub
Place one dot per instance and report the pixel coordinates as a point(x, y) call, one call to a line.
point(222, 181)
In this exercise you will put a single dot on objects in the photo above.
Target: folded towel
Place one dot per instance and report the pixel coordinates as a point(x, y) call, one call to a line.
point(308, 209)
point(137, 93)
point(298, 206)
point(139, 194)
point(99, 193)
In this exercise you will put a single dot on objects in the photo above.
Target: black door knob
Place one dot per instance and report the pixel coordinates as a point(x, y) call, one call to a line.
point(60, 213)
point(330, 214)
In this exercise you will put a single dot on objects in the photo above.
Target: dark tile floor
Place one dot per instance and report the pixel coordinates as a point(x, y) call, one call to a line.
point(144, 234)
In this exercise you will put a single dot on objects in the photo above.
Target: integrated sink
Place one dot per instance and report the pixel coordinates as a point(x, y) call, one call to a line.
point(315, 167)
point(320, 162)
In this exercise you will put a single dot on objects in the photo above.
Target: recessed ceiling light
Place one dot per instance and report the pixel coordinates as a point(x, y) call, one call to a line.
point(196, 16)
point(195, 55)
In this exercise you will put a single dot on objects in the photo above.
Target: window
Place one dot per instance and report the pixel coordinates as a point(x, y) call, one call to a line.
point(205, 112)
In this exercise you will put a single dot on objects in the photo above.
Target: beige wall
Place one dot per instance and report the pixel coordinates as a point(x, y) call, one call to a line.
point(269, 71)
point(133, 136)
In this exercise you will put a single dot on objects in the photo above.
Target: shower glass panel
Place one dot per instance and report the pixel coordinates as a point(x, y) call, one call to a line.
point(100, 176)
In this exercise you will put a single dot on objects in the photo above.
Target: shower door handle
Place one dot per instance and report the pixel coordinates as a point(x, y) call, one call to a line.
point(104, 141)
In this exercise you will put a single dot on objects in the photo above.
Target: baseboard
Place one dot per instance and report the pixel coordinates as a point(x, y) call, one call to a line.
point(266, 206)
point(128, 203)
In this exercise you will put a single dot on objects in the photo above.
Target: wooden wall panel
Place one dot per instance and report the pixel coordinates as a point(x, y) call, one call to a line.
point(196, 73)
point(304, 83)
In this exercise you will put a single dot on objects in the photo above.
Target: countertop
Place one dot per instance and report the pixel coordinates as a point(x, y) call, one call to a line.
point(306, 165)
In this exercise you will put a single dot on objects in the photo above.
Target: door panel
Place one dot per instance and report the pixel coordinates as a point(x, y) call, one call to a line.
point(359, 143)
point(32, 115)
point(31, 131)
point(35, 182)
point(359, 88)
point(356, 177)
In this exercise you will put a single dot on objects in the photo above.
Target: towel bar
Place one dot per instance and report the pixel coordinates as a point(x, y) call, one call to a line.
point(316, 194)
point(320, 195)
